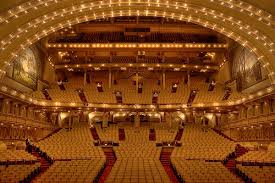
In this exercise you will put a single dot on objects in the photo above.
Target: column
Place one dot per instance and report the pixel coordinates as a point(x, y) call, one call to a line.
point(188, 79)
point(137, 81)
point(266, 107)
point(85, 78)
point(257, 109)
point(70, 120)
point(163, 80)
point(249, 111)
point(105, 120)
point(137, 120)
point(110, 78)
point(23, 110)
point(6, 106)
point(30, 112)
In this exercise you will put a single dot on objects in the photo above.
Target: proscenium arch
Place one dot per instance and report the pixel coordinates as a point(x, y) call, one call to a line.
point(21, 31)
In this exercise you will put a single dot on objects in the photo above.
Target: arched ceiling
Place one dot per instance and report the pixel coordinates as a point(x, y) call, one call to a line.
point(247, 24)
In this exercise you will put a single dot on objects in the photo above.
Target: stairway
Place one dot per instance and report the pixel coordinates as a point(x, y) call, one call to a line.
point(230, 163)
point(45, 164)
point(94, 133)
point(179, 134)
point(240, 150)
point(43, 158)
point(222, 134)
point(50, 134)
point(152, 135)
point(110, 161)
point(121, 134)
point(165, 161)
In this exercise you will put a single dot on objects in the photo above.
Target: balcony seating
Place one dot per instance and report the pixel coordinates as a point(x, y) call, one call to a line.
point(72, 171)
point(130, 95)
point(116, 37)
point(123, 59)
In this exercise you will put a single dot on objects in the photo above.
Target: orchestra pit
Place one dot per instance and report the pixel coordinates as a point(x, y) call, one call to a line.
point(137, 91)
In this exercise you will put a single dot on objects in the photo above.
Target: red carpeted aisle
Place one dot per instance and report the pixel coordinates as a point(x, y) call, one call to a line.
point(110, 161)
point(165, 161)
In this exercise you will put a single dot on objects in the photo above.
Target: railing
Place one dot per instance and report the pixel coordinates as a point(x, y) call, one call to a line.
point(253, 120)
point(20, 120)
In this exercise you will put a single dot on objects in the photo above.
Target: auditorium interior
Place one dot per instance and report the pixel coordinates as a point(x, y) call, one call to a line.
point(137, 91)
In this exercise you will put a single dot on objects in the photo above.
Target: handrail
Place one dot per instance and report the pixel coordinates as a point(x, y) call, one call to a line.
point(21, 120)
point(262, 118)
point(254, 117)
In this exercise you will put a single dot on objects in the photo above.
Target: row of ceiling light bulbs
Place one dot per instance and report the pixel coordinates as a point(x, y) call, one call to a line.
point(133, 45)
point(44, 19)
point(239, 5)
point(144, 65)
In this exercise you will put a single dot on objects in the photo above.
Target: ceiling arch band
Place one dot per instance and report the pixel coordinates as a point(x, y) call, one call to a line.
point(258, 41)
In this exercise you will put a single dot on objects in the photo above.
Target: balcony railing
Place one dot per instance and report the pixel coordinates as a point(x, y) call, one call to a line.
point(250, 121)
point(24, 121)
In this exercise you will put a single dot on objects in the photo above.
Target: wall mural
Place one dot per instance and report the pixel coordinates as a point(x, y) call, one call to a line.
point(246, 69)
point(26, 68)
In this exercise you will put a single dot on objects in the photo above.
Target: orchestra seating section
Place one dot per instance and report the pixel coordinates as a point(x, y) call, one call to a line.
point(164, 133)
point(16, 156)
point(258, 157)
point(137, 170)
point(76, 159)
point(259, 174)
point(16, 173)
point(107, 134)
point(137, 145)
point(201, 171)
point(72, 171)
point(130, 94)
point(203, 143)
point(71, 144)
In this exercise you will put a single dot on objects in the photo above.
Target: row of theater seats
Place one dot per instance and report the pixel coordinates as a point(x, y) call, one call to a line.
point(202, 171)
point(106, 37)
point(203, 143)
point(136, 145)
point(16, 173)
point(137, 170)
point(15, 156)
point(107, 134)
point(73, 144)
point(259, 173)
point(164, 132)
point(130, 94)
point(258, 157)
point(73, 171)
